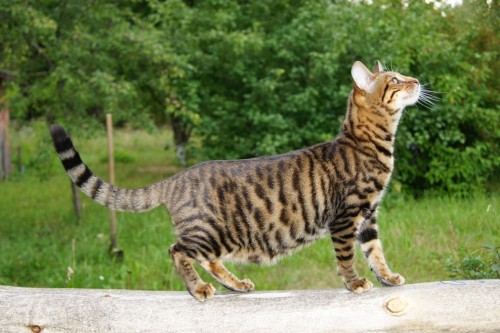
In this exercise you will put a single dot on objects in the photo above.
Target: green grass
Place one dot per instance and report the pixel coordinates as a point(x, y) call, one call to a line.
point(40, 236)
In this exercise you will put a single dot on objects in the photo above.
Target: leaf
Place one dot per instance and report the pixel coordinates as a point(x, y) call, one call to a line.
point(489, 247)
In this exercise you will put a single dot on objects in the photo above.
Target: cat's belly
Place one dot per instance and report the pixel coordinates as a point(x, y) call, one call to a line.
point(271, 252)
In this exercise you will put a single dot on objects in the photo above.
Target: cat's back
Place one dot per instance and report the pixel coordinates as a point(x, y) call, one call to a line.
point(267, 179)
point(253, 169)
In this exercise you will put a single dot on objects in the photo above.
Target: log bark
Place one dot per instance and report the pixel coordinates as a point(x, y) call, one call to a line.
point(451, 306)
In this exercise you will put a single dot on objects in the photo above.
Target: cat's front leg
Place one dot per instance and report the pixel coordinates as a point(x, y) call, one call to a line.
point(342, 234)
point(371, 245)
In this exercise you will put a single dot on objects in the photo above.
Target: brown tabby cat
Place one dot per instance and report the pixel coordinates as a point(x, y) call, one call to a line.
point(259, 210)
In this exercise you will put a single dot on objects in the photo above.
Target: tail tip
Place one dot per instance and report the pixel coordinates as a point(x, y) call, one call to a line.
point(58, 133)
point(60, 138)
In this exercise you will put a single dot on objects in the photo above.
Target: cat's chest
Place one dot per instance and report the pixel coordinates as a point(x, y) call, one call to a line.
point(373, 174)
point(367, 184)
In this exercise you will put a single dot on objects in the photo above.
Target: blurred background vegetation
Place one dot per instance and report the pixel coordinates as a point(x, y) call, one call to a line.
point(250, 78)
point(234, 79)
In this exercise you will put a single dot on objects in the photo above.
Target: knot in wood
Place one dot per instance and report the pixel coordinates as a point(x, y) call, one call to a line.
point(35, 329)
point(396, 305)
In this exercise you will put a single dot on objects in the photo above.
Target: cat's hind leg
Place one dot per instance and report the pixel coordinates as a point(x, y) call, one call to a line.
point(225, 277)
point(184, 265)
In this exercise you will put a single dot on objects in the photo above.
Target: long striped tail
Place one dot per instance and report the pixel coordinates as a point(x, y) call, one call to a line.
point(130, 200)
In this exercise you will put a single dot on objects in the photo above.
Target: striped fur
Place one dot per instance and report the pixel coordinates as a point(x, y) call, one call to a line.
point(259, 210)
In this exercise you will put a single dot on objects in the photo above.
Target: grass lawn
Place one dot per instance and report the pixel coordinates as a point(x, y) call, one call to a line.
point(40, 238)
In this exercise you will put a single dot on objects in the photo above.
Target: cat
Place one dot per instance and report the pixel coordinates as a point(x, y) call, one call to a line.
point(259, 210)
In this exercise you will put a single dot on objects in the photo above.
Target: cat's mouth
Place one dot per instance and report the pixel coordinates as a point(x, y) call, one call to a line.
point(413, 95)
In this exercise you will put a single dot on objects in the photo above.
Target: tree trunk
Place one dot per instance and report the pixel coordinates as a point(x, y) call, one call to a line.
point(182, 132)
point(180, 153)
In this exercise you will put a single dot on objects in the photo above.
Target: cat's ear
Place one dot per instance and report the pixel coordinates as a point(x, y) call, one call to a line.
point(377, 68)
point(362, 76)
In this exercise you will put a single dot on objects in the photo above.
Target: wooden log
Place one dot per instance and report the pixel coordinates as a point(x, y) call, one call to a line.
point(458, 306)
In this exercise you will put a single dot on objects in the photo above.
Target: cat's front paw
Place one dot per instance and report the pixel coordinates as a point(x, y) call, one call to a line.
point(358, 285)
point(203, 291)
point(394, 279)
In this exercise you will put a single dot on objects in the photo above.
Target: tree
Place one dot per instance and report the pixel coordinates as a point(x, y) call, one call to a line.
point(80, 60)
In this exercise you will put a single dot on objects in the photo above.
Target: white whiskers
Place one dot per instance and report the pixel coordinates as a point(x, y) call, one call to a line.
point(427, 98)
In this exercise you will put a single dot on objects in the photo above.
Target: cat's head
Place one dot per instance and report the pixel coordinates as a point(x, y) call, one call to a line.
point(385, 89)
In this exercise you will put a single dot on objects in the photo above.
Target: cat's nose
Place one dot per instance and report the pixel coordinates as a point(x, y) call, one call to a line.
point(415, 81)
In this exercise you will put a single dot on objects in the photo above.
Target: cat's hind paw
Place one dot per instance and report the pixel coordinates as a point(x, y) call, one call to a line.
point(358, 285)
point(203, 291)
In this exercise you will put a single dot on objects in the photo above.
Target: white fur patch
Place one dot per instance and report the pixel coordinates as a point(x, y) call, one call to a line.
point(76, 172)
point(68, 154)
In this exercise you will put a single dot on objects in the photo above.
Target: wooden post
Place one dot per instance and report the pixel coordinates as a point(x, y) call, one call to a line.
point(20, 165)
point(113, 248)
point(75, 194)
point(5, 159)
point(76, 201)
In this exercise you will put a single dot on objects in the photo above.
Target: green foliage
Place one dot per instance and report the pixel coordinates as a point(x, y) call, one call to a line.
point(453, 146)
point(263, 77)
point(480, 265)
point(275, 77)
point(264, 83)
point(76, 61)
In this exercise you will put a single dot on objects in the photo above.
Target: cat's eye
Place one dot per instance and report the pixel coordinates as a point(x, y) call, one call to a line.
point(395, 80)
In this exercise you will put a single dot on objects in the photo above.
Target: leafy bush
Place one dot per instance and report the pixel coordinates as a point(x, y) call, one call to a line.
point(480, 265)
point(275, 77)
